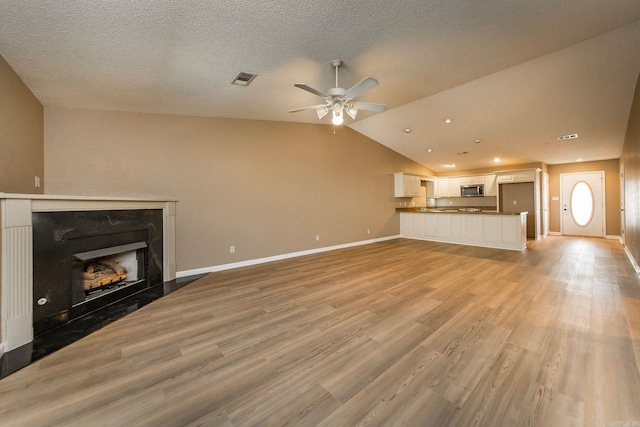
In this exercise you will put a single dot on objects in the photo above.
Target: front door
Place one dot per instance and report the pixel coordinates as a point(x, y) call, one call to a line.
point(583, 204)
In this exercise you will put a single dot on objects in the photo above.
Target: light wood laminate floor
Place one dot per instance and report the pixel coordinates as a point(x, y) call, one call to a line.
point(400, 332)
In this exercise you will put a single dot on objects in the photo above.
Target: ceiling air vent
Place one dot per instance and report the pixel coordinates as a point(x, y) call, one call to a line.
point(565, 137)
point(244, 79)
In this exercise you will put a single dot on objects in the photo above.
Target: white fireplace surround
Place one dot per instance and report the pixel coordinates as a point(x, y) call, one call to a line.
point(16, 251)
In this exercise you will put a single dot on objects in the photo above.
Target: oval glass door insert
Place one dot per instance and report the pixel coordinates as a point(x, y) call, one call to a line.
point(582, 203)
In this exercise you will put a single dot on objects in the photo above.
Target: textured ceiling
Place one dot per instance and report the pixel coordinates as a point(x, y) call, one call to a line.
point(514, 74)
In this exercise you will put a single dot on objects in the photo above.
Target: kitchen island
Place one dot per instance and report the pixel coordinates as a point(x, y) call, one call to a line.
point(488, 229)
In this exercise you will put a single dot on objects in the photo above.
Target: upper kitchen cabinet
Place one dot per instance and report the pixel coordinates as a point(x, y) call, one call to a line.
point(406, 185)
point(471, 180)
point(516, 176)
point(450, 186)
point(490, 186)
point(454, 187)
point(442, 187)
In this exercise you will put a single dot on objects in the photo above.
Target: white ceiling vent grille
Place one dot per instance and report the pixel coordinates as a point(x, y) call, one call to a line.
point(244, 79)
point(565, 137)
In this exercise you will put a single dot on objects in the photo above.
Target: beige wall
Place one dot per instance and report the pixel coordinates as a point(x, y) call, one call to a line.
point(21, 135)
point(268, 188)
point(520, 197)
point(612, 191)
point(630, 160)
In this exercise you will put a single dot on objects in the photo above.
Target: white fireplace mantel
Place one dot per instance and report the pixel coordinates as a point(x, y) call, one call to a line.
point(16, 251)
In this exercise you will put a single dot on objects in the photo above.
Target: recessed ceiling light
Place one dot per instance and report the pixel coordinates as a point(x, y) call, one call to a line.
point(450, 165)
point(407, 130)
point(447, 121)
point(496, 160)
point(429, 150)
point(477, 141)
point(579, 160)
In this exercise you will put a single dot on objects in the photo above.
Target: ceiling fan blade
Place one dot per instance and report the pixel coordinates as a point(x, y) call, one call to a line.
point(370, 106)
point(312, 107)
point(312, 90)
point(361, 87)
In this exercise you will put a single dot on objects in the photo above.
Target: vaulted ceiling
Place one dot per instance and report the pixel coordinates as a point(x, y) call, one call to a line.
point(512, 74)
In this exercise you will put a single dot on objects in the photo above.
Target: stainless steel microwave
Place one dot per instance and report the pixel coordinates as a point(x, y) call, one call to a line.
point(472, 190)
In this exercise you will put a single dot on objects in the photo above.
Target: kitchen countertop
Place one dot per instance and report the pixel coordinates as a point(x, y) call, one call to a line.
point(455, 211)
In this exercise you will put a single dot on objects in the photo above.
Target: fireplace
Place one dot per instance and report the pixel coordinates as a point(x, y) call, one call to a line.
point(46, 244)
point(83, 261)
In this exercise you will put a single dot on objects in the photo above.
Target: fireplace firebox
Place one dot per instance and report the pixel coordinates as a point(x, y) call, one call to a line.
point(85, 260)
point(100, 272)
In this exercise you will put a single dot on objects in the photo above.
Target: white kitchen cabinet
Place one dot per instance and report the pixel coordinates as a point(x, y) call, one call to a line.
point(477, 179)
point(474, 229)
point(490, 185)
point(524, 176)
point(406, 185)
point(417, 226)
point(413, 182)
point(429, 187)
point(443, 226)
point(443, 187)
point(405, 225)
point(491, 230)
point(454, 187)
point(501, 231)
point(502, 178)
point(516, 176)
point(471, 180)
point(429, 226)
point(450, 186)
point(457, 227)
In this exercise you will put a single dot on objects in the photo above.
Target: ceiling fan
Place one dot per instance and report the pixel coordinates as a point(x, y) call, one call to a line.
point(338, 100)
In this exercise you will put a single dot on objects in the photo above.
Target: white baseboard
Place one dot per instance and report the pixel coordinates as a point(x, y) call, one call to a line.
point(634, 263)
point(256, 261)
point(555, 233)
point(1, 348)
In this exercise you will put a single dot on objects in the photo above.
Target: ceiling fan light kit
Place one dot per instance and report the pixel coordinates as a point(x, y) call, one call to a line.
point(338, 100)
point(337, 118)
point(322, 111)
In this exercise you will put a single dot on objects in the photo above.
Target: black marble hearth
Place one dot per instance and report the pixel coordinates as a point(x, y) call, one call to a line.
point(65, 334)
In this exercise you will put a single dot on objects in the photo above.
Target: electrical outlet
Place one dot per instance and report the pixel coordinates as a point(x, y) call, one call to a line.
point(317, 237)
point(368, 231)
point(232, 249)
point(37, 181)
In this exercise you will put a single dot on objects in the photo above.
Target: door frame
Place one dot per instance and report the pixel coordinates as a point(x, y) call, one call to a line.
point(604, 199)
point(622, 202)
point(545, 204)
